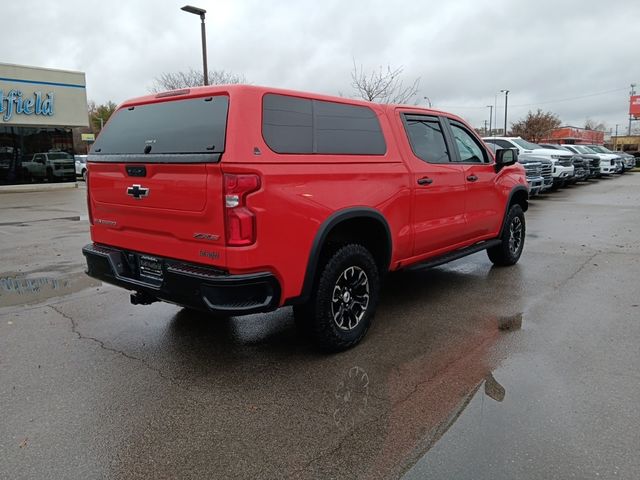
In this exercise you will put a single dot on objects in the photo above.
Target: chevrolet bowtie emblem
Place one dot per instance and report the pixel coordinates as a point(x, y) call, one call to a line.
point(138, 191)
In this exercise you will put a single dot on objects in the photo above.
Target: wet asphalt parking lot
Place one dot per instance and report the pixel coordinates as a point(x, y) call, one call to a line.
point(469, 371)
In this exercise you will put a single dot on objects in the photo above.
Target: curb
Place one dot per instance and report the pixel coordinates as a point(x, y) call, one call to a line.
point(37, 187)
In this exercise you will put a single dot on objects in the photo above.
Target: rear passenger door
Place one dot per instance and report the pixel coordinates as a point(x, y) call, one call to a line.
point(483, 207)
point(438, 185)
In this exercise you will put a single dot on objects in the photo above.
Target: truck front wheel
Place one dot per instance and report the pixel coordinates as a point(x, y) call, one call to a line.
point(513, 233)
point(340, 311)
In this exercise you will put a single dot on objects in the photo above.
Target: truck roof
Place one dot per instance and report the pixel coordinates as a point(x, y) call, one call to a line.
point(235, 90)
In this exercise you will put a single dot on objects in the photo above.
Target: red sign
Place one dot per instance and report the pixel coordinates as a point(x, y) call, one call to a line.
point(634, 106)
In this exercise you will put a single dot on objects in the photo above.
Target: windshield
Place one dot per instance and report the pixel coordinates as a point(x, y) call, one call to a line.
point(191, 126)
point(582, 149)
point(524, 144)
point(597, 149)
point(59, 156)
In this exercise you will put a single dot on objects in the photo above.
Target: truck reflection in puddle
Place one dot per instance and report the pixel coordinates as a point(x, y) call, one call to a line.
point(424, 398)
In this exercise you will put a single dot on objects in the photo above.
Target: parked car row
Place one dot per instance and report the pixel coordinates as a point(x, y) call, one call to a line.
point(551, 165)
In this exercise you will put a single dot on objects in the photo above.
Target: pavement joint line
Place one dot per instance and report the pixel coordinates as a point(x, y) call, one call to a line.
point(74, 218)
point(37, 187)
point(584, 264)
point(338, 446)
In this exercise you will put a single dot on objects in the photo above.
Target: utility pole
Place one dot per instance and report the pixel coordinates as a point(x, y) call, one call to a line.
point(485, 127)
point(506, 102)
point(490, 107)
point(615, 139)
point(631, 94)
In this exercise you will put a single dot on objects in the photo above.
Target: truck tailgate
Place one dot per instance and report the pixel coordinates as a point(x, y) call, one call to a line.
point(175, 210)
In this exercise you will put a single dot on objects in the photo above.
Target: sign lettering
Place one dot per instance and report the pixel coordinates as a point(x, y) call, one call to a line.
point(15, 103)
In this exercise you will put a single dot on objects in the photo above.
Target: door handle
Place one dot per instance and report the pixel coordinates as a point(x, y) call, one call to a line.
point(472, 178)
point(425, 181)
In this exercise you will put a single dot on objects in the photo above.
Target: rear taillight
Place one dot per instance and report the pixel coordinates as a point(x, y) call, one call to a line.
point(240, 220)
point(89, 212)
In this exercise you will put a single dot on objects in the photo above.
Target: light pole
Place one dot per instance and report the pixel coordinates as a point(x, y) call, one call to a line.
point(495, 108)
point(506, 100)
point(490, 107)
point(201, 12)
point(428, 100)
point(615, 139)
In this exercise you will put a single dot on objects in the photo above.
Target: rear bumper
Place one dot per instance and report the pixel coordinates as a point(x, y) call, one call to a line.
point(187, 284)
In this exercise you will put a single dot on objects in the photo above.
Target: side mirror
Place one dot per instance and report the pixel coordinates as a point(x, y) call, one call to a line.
point(506, 157)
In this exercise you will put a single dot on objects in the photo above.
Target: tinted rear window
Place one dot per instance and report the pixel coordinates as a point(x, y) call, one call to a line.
point(300, 125)
point(190, 126)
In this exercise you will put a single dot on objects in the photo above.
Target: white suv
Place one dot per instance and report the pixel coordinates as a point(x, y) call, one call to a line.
point(562, 161)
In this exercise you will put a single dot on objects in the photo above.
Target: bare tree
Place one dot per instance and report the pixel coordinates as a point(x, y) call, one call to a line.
point(193, 78)
point(594, 125)
point(535, 126)
point(382, 85)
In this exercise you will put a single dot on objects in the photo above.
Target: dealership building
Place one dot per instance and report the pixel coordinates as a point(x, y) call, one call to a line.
point(38, 108)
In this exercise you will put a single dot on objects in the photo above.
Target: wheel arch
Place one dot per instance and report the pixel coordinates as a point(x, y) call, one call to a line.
point(362, 225)
point(519, 195)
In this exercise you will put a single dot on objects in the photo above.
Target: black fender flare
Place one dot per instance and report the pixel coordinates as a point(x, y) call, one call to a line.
point(321, 236)
point(518, 188)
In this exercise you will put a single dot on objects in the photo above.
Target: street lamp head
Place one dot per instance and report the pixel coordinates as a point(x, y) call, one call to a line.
point(194, 10)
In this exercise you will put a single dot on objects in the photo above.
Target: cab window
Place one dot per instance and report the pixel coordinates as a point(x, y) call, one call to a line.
point(468, 147)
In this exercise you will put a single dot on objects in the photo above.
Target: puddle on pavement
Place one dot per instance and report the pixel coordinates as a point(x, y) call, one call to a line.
point(22, 289)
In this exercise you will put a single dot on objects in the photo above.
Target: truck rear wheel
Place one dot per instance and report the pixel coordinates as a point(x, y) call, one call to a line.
point(347, 290)
point(509, 251)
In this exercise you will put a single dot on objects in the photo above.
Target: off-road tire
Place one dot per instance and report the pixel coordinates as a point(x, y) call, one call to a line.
point(352, 267)
point(513, 234)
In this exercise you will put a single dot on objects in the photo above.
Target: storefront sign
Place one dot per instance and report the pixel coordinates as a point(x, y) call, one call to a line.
point(42, 97)
point(15, 103)
point(87, 137)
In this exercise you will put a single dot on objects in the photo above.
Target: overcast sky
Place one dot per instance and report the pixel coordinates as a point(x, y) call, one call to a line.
point(546, 53)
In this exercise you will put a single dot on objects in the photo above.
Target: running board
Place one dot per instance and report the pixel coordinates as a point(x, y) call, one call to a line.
point(456, 254)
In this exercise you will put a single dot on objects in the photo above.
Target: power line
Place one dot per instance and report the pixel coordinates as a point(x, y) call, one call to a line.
point(570, 98)
point(546, 102)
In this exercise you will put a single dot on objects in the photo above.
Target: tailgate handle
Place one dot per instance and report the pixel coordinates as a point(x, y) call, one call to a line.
point(136, 170)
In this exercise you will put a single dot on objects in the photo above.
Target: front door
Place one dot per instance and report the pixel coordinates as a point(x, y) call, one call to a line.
point(484, 206)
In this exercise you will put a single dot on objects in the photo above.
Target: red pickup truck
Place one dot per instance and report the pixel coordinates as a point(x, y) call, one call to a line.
point(242, 199)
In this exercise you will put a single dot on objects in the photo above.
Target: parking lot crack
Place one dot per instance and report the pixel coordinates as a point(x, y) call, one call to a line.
point(102, 345)
point(81, 336)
